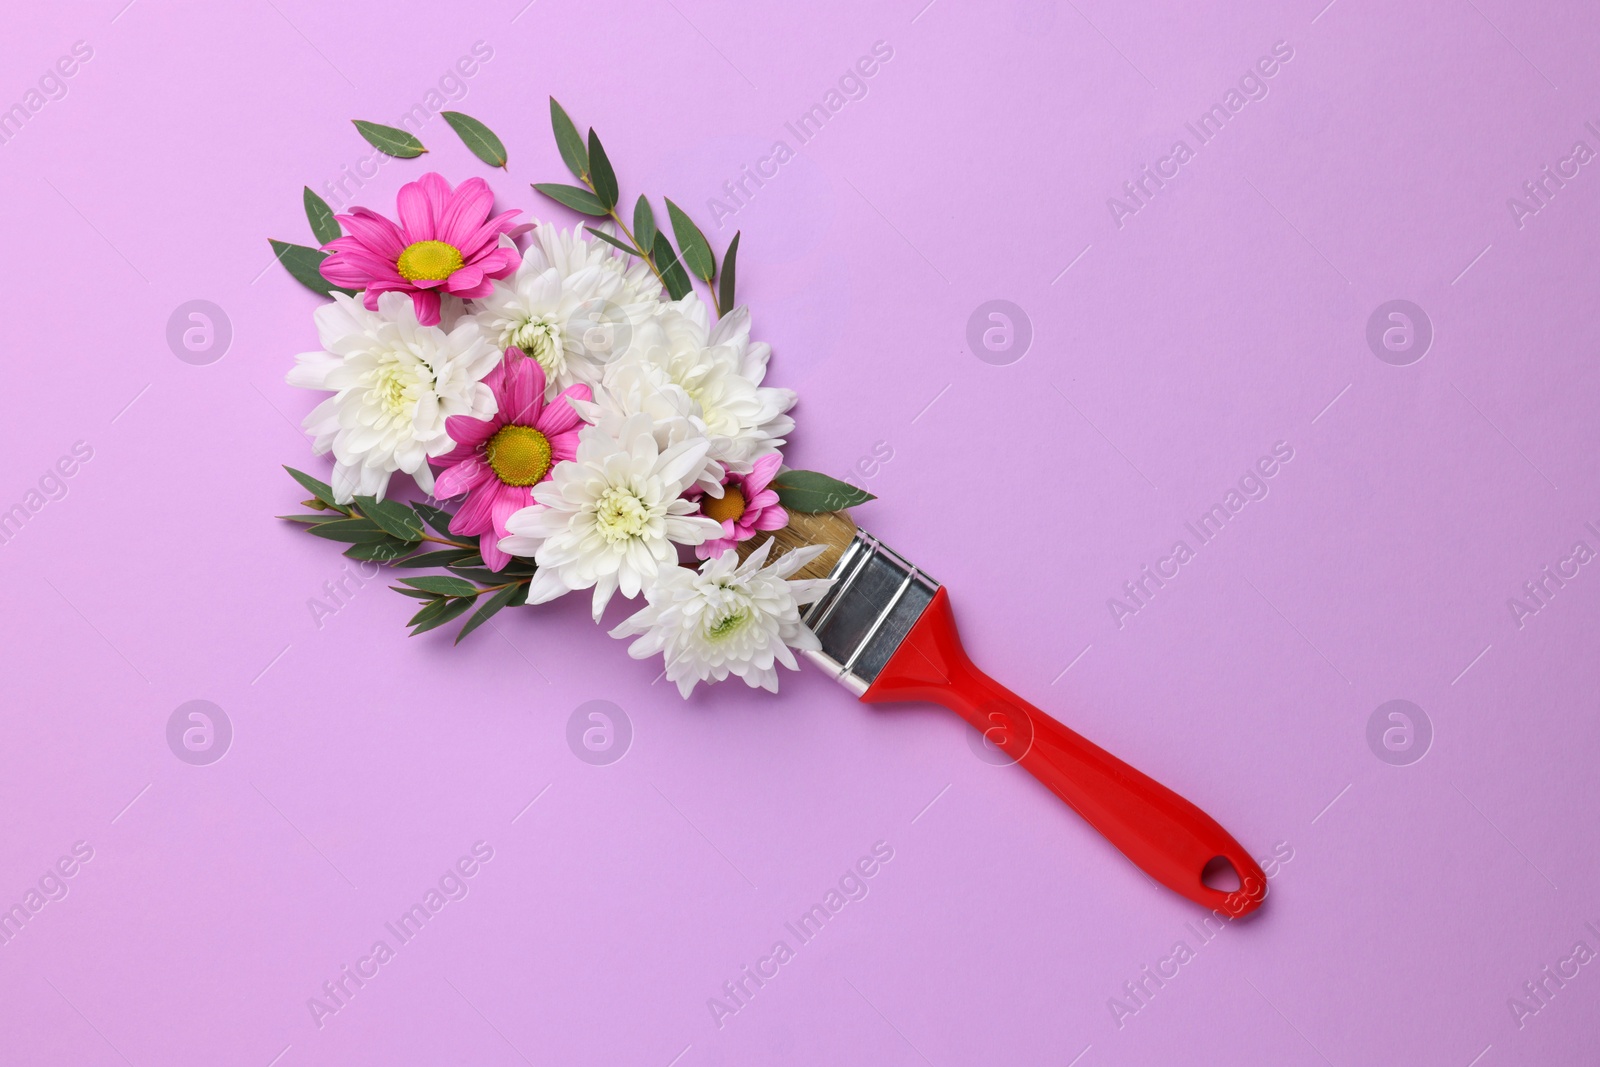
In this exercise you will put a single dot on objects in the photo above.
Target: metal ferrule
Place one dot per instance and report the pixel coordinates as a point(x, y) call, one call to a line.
point(876, 597)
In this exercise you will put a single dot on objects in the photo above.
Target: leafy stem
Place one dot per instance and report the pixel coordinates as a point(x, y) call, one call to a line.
point(389, 532)
point(447, 541)
point(598, 197)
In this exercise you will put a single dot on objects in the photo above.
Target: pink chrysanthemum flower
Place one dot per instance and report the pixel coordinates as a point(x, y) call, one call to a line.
point(447, 242)
point(745, 507)
point(498, 461)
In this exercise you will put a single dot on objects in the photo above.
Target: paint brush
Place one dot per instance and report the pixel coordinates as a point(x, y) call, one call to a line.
point(888, 634)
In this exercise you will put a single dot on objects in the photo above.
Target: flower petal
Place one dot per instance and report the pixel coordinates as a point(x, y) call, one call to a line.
point(521, 394)
point(761, 473)
point(374, 232)
point(461, 478)
point(464, 211)
point(464, 280)
point(427, 306)
point(475, 516)
point(416, 213)
point(489, 549)
point(560, 416)
point(469, 432)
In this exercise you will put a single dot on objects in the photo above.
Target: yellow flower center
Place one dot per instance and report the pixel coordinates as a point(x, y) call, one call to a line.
point(518, 455)
point(432, 261)
point(620, 515)
point(730, 505)
point(395, 391)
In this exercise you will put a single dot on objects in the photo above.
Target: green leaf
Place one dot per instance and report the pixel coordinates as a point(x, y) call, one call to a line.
point(644, 224)
point(432, 610)
point(390, 141)
point(610, 240)
point(440, 559)
point(452, 609)
point(302, 263)
point(307, 517)
point(384, 551)
point(811, 493)
point(324, 227)
point(521, 596)
point(672, 273)
point(601, 175)
point(441, 583)
point(438, 518)
point(475, 574)
point(478, 137)
point(322, 491)
point(494, 604)
point(351, 531)
point(418, 593)
point(725, 293)
point(569, 141)
point(571, 196)
point(396, 519)
point(696, 250)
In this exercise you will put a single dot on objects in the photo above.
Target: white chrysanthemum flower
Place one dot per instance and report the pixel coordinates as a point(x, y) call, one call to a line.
point(395, 383)
point(728, 618)
point(721, 370)
point(610, 517)
point(573, 305)
point(636, 388)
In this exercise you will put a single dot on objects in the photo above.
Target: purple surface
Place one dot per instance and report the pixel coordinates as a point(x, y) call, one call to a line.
point(1228, 313)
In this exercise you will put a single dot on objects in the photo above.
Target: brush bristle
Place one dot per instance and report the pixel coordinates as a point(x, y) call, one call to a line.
point(831, 529)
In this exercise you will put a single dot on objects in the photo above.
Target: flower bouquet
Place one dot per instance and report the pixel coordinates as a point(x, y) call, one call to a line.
point(577, 415)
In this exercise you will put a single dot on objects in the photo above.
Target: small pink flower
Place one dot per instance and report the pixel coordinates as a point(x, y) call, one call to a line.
point(446, 242)
point(745, 507)
point(498, 461)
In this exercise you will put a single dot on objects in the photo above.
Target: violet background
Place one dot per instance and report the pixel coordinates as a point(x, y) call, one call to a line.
point(1227, 315)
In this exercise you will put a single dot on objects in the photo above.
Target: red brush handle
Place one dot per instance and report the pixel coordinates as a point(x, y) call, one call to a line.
point(1170, 838)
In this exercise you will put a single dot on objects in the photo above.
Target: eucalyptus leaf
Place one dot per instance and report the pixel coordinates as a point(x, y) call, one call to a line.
point(351, 531)
point(324, 227)
point(811, 493)
point(494, 604)
point(418, 593)
point(569, 141)
point(432, 610)
point(311, 517)
point(644, 224)
point(571, 196)
point(475, 574)
point(440, 559)
point(725, 290)
point(384, 551)
point(521, 596)
point(672, 273)
point(321, 490)
point(478, 137)
point(303, 264)
point(610, 240)
point(390, 141)
point(396, 519)
point(697, 252)
point(441, 583)
point(438, 518)
point(601, 175)
point(453, 608)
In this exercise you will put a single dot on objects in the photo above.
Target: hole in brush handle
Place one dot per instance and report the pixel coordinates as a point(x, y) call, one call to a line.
point(1219, 874)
